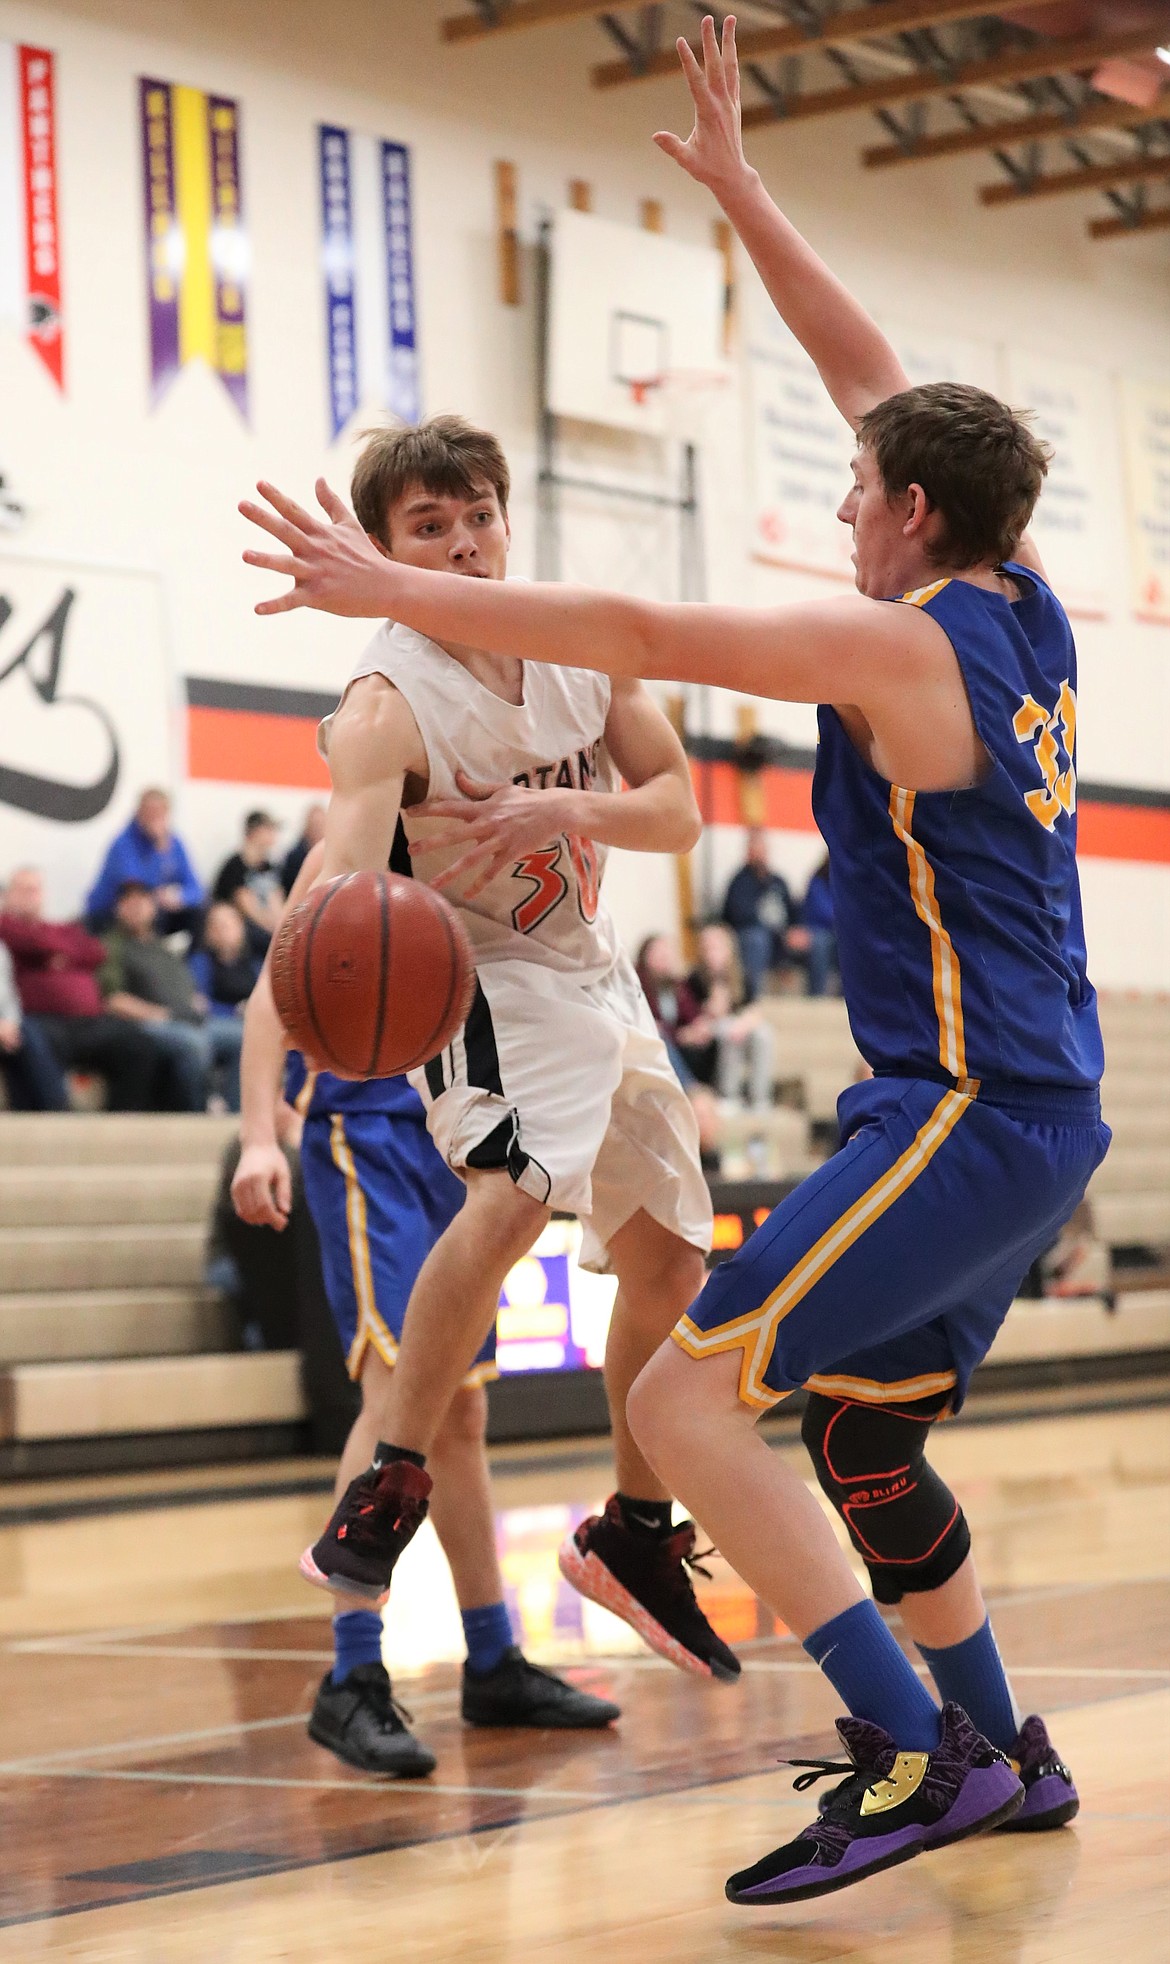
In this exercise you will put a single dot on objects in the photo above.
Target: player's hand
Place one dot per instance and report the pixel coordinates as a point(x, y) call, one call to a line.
point(496, 823)
point(331, 562)
point(713, 152)
point(262, 1187)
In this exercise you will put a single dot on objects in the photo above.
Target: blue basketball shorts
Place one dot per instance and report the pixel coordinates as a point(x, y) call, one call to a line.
point(380, 1197)
point(886, 1274)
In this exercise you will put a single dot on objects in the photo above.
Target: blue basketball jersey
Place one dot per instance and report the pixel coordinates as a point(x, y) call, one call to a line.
point(318, 1094)
point(958, 913)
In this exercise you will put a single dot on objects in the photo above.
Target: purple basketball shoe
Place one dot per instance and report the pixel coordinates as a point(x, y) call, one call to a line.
point(1050, 1798)
point(889, 1807)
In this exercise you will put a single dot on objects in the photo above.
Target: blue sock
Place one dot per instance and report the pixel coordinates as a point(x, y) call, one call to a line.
point(488, 1633)
point(357, 1639)
point(869, 1673)
point(972, 1674)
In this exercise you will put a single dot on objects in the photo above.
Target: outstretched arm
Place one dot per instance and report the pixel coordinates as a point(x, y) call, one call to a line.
point(850, 650)
point(856, 363)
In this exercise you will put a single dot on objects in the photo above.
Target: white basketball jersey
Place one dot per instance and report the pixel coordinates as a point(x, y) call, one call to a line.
point(545, 907)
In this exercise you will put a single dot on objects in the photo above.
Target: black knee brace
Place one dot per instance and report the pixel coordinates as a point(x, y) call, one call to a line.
point(902, 1519)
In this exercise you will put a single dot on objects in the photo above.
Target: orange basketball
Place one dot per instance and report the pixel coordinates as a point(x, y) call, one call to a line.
point(372, 974)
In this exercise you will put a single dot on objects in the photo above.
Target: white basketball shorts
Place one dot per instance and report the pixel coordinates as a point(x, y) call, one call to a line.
point(568, 1086)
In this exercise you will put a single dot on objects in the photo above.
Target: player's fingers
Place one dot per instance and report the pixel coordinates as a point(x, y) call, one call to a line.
point(282, 1190)
point(288, 507)
point(731, 57)
point(475, 787)
point(696, 80)
point(712, 60)
point(673, 145)
point(284, 604)
point(466, 867)
point(289, 535)
point(335, 507)
point(272, 562)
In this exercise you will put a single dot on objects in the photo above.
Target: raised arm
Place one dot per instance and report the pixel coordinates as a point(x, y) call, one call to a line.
point(856, 363)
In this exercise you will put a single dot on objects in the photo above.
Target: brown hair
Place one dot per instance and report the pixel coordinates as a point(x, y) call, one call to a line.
point(977, 461)
point(449, 457)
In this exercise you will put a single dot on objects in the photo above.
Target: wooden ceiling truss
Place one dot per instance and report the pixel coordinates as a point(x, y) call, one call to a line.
point(942, 77)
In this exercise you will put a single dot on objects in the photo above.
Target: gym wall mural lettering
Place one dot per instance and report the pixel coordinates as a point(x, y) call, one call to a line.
point(30, 245)
point(88, 710)
point(196, 245)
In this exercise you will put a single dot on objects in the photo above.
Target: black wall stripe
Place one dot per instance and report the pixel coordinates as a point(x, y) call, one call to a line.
point(207, 692)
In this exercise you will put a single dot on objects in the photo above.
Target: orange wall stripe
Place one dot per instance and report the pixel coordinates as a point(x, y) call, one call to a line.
point(246, 746)
point(1104, 831)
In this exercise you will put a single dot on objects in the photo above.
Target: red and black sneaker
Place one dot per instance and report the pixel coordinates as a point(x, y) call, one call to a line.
point(647, 1582)
point(377, 1515)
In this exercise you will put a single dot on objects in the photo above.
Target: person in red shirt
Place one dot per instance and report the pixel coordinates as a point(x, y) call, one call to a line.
point(56, 966)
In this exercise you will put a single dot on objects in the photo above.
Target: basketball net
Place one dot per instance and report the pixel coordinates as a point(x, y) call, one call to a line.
point(685, 394)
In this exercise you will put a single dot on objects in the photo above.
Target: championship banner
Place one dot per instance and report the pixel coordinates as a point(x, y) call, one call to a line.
point(30, 256)
point(367, 265)
point(1145, 433)
point(196, 246)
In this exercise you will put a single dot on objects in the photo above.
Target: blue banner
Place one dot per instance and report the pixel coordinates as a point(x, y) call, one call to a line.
point(337, 264)
point(403, 378)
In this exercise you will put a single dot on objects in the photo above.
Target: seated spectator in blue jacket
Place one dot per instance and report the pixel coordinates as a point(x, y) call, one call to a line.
point(223, 968)
point(758, 906)
point(31, 1073)
point(147, 850)
point(151, 987)
point(816, 917)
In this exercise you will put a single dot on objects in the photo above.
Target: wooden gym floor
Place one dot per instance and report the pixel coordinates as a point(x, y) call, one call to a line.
point(160, 1801)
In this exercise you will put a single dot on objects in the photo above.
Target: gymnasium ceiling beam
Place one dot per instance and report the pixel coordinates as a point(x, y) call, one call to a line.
point(1096, 177)
point(1021, 63)
point(1101, 114)
point(837, 30)
point(505, 18)
point(1157, 220)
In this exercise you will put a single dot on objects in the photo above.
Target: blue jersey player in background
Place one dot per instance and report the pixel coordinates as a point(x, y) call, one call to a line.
point(380, 1197)
point(946, 791)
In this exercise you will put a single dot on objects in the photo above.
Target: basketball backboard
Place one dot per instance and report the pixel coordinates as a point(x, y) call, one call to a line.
point(628, 309)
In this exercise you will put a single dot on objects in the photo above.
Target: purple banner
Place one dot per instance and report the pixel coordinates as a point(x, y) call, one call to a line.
point(338, 267)
point(228, 248)
point(164, 244)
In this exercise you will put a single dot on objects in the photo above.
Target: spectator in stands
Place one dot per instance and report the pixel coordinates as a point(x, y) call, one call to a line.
point(149, 851)
point(743, 1040)
point(146, 983)
point(31, 1073)
point(816, 918)
point(758, 907)
point(56, 967)
point(684, 1030)
point(312, 832)
point(223, 969)
point(250, 881)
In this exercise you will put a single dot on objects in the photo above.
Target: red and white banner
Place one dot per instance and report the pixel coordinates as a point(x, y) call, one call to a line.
point(30, 239)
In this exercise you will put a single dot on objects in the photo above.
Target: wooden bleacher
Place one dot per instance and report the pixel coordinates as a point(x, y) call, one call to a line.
point(108, 1334)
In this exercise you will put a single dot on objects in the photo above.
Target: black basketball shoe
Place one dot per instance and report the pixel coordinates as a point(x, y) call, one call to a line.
point(360, 1722)
point(647, 1582)
point(377, 1515)
point(515, 1692)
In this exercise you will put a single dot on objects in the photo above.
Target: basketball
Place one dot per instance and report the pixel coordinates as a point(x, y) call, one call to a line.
point(372, 974)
